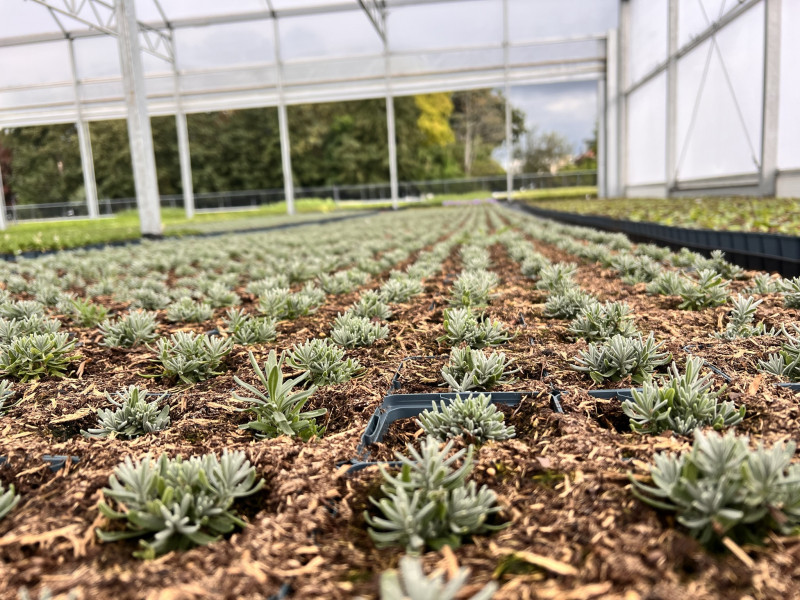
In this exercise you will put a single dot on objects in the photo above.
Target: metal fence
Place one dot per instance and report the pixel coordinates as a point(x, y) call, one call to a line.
point(370, 192)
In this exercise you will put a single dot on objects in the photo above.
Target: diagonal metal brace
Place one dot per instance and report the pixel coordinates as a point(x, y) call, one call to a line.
point(376, 13)
point(102, 16)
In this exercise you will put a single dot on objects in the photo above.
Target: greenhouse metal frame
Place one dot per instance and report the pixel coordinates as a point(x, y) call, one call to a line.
point(655, 129)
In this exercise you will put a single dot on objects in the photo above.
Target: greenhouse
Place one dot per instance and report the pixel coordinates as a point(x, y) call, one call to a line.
point(399, 299)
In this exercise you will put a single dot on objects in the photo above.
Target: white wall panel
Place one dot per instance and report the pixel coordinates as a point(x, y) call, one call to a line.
point(648, 37)
point(547, 19)
point(789, 111)
point(719, 121)
point(647, 123)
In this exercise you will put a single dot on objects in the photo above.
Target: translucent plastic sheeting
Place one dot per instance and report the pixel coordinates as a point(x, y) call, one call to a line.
point(789, 111)
point(35, 64)
point(648, 37)
point(24, 18)
point(695, 16)
point(226, 45)
point(646, 131)
point(182, 9)
point(337, 34)
point(719, 122)
point(433, 26)
point(547, 19)
point(285, 4)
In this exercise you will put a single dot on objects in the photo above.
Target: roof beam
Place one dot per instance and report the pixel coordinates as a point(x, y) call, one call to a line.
point(376, 13)
point(102, 18)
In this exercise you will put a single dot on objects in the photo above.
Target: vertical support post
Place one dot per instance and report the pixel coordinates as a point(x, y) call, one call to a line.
point(772, 75)
point(672, 99)
point(390, 128)
point(283, 122)
point(602, 191)
point(184, 152)
point(3, 223)
point(613, 125)
point(622, 94)
point(84, 143)
point(139, 133)
point(509, 113)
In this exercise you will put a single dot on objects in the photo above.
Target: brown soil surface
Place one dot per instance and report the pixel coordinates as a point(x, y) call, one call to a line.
point(574, 529)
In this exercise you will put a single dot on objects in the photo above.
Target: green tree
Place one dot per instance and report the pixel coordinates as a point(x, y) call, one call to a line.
point(544, 152)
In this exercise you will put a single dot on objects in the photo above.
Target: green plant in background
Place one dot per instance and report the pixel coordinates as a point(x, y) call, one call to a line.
point(324, 360)
point(667, 283)
point(176, 504)
point(186, 310)
point(567, 304)
point(134, 415)
point(718, 264)
point(85, 313)
point(682, 404)
point(343, 282)
point(473, 370)
point(557, 277)
point(723, 488)
point(279, 411)
point(8, 500)
point(621, 356)
point(709, 290)
point(191, 357)
point(410, 583)
point(463, 325)
point(281, 303)
point(763, 283)
point(474, 417)
point(532, 265)
point(149, 299)
point(401, 288)
point(371, 306)
point(129, 330)
point(21, 309)
point(740, 320)
point(37, 355)
point(791, 292)
point(351, 331)
point(247, 330)
point(786, 363)
point(472, 288)
point(429, 502)
point(602, 321)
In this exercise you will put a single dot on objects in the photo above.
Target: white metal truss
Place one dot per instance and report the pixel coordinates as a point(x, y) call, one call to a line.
point(101, 16)
point(376, 13)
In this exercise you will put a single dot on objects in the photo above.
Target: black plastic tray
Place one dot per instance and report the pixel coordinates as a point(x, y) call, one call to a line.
point(608, 394)
point(56, 462)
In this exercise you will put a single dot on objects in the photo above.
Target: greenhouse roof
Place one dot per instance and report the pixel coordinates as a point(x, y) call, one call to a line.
point(210, 55)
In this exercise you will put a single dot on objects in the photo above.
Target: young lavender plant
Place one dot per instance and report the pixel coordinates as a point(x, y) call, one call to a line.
point(473, 417)
point(134, 416)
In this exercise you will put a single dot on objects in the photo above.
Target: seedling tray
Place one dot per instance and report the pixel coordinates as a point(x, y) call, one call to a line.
point(608, 394)
point(55, 462)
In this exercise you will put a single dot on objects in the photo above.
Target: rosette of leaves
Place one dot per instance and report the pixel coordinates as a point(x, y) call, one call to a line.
point(343, 282)
point(133, 416)
point(14, 328)
point(667, 283)
point(83, 312)
point(247, 330)
point(567, 304)
point(6, 391)
point(474, 417)
point(129, 330)
point(279, 409)
point(47, 293)
point(429, 502)
point(175, 504)
point(740, 320)
point(709, 290)
point(682, 404)
point(763, 283)
point(351, 331)
point(191, 357)
point(786, 363)
point(557, 277)
point(324, 360)
point(635, 269)
point(532, 265)
point(463, 325)
point(621, 356)
point(400, 288)
point(722, 488)
point(470, 369)
point(37, 355)
point(186, 310)
point(281, 303)
point(472, 288)
point(8, 499)
point(21, 309)
point(410, 583)
point(371, 306)
point(602, 321)
point(718, 264)
point(791, 292)
point(219, 295)
point(260, 286)
point(149, 299)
